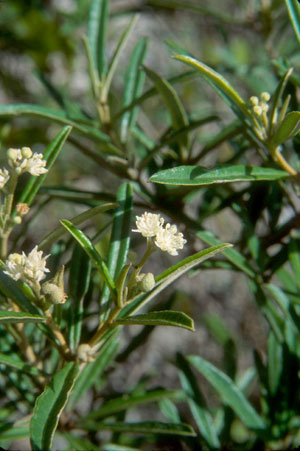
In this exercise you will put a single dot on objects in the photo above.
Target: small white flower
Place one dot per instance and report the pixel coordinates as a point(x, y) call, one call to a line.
point(15, 266)
point(30, 269)
point(36, 165)
point(4, 177)
point(167, 239)
point(23, 160)
point(148, 224)
point(35, 265)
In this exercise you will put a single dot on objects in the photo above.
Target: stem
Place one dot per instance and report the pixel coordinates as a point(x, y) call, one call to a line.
point(7, 209)
point(104, 327)
point(64, 348)
point(283, 163)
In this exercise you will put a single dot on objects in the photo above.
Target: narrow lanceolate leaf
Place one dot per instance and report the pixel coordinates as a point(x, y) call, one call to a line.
point(49, 406)
point(88, 247)
point(229, 393)
point(54, 115)
point(294, 13)
point(170, 275)
point(195, 175)
point(116, 57)
point(50, 155)
point(12, 432)
point(79, 280)
point(97, 34)
point(120, 235)
point(92, 372)
point(196, 402)
point(288, 128)
point(145, 427)
point(133, 85)
point(235, 257)
point(20, 317)
point(19, 365)
point(172, 101)
point(217, 80)
point(58, 232)
point(163, 318)
point(10, 288)
point(128, 401)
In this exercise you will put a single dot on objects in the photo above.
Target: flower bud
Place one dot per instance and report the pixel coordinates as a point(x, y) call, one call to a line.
point(254, 100)
point(22, 209)
point(53, 293)
point(12, 154)
point(17, 220)
point(26, 152)
point(145, 282)
point(257, 110)
point(265, 96)
point(85, 353)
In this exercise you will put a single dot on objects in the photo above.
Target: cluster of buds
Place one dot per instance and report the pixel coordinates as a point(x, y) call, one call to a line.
point(32, 269)
point(260, 108)
point(166, 237)
point(23, 160)
point(260, 105)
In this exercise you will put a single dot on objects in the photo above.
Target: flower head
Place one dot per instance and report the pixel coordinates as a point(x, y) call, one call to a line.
point(4, 177)
point(30, 269)
point(148, 224)
point(23, 160)
point(36, 165)
point(167, 239)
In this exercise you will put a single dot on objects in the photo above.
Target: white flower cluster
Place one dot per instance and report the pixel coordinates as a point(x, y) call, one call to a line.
point(23, 160)
point(4, 177)
point(166, 238)
point(260, 105)
point(30, 269)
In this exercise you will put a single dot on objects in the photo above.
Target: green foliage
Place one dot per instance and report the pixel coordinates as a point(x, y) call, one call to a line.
point(119, 130)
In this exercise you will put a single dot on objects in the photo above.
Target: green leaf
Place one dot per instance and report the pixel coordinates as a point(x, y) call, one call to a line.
point(202, 417)
point(115, 447)
point(97, 26)
point(153, 91)
point(196, 175)
point(11, 289)
point(275, 363)
point(229, 393)
point(294, 13)
point(173, 103)
point(170, 275)
point(10, 431)
point(133, 85)
point(120, 236)
point(50, 155)
point(19, 365)
point(288, 128)
point(294, 259)
point(93, 371)
point(79, 280)
point(88, 247)
point(128, 401)
point(48, 407)
point(78, 443)
point(116, 57)
point(57, 116)
point(7, 317)
point(162, 318)
point(58, 232)
point(145, 427)
point(232, 255)
point(218, 81)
